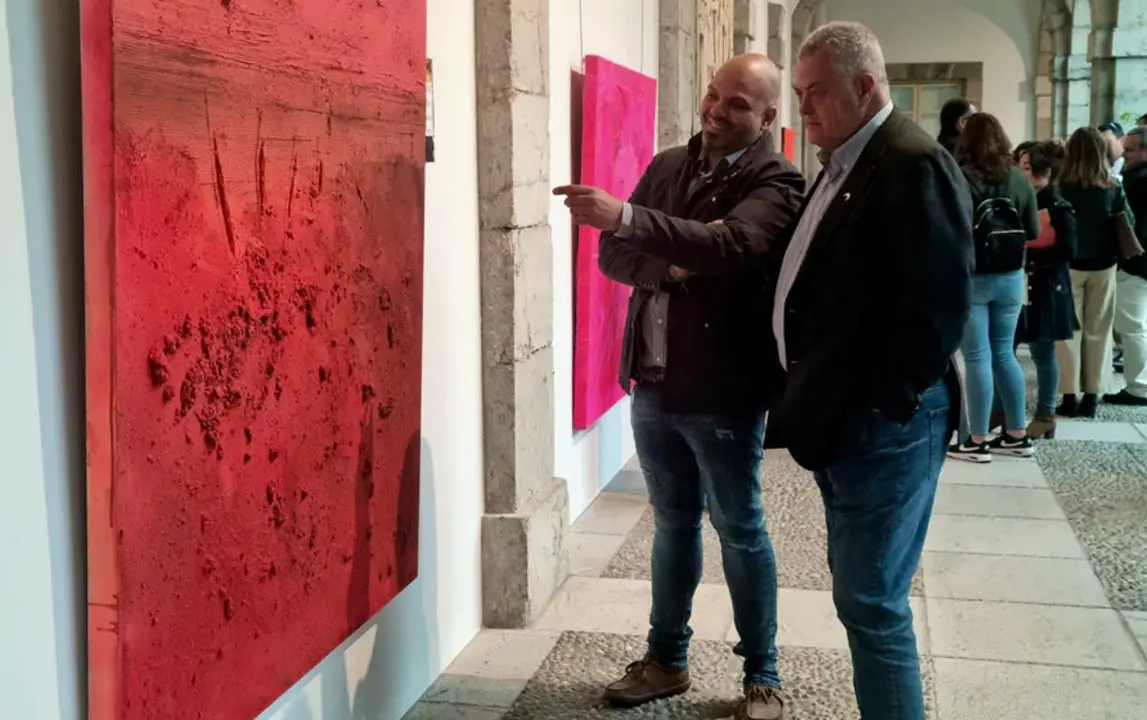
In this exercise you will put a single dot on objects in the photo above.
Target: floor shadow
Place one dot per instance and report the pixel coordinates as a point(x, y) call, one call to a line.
point(386, 685)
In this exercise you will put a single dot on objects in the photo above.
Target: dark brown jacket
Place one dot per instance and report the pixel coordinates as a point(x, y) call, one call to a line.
point(721, 353)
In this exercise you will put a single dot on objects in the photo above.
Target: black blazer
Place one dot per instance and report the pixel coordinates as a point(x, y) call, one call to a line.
point(720, 355)
point(879, 305)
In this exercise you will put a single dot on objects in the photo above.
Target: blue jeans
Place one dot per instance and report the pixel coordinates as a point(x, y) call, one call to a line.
point(989, 352)
point(877, 503)
point(685, 459)
point(1047, 377)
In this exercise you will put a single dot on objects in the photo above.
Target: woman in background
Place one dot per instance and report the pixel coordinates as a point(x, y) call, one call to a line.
point(1021, 150)
point(1050, 315)
point(953, 117)
point(1003, 202)
point(1086, 182)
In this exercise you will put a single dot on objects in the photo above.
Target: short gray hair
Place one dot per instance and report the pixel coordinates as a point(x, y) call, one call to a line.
point(1139, 132)
point(853, 48)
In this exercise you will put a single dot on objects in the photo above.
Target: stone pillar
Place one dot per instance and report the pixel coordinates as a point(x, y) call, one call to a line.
point(777, 48)
point(744, 31)
point(524, 559)
point(714, 38)
point(677, 94)
point(1061, 53)
point(1118, 50)
point(807, 15)
point(1043, 89)
point(1078, 69)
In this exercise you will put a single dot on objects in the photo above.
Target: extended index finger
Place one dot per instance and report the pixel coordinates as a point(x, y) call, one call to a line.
point(573, 190)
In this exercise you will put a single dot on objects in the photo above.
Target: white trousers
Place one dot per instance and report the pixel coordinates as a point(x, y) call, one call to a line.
point(1131, 324)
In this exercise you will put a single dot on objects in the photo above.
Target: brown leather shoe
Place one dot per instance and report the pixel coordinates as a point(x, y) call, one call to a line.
point(1042, 428)
point(645, 681)
point(764, 703)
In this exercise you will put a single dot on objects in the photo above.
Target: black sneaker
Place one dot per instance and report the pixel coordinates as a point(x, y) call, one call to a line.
point(1016, 447)
point(970, 451)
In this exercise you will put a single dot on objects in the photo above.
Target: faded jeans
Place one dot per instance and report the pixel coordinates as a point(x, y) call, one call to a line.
point(989, 352)
point(686, 458)
point(877, 502)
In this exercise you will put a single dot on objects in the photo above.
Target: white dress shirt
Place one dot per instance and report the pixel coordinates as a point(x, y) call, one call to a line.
point(837, 166)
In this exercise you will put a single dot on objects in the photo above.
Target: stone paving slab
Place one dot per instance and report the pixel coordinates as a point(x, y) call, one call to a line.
point(1102, 488)
point(795, 517)
point(569, 683)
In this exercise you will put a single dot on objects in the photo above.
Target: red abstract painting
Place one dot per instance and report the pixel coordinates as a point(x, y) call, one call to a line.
point(789, 144)
point(253, 244)
point(619, 120)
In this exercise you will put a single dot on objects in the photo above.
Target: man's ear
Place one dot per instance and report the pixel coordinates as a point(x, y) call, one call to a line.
point(769, 117)
point(865, 85)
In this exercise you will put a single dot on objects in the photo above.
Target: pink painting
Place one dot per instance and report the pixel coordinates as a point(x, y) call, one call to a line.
point(619, 119)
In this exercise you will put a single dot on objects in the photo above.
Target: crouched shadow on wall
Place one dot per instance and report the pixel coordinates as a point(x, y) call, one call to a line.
point(394, 656)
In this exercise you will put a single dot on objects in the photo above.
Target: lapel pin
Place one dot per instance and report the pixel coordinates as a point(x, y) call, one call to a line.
point(847, 196)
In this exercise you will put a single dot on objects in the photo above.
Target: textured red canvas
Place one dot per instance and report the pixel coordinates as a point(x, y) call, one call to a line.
point(253, 244)
point(619, 120)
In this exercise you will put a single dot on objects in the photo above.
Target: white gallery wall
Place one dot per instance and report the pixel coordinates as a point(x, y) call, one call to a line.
point(34, 674)
point(386, 667)
point(1001, 35)
point(624, 32)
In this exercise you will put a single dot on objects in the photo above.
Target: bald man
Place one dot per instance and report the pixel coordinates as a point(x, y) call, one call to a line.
point(693, 242)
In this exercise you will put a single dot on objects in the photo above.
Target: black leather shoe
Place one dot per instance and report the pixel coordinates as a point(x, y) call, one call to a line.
point(1088, 406)
point(1069, 408)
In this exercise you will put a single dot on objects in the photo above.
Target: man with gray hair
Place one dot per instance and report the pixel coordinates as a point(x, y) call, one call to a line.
point(872, 296)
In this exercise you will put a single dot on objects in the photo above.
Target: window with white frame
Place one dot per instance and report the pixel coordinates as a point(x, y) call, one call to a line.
point(923, 101)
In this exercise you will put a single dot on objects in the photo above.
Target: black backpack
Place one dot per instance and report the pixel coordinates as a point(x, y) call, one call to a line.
point(999, 236)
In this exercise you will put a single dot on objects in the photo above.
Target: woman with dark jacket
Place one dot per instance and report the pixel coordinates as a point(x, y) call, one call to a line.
point(1086, 182)
point(1005, 216)
point(953, 115)
point(1050, 315)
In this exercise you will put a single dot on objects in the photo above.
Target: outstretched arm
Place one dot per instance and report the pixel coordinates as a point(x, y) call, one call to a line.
point(621, 261)
point(745, 235)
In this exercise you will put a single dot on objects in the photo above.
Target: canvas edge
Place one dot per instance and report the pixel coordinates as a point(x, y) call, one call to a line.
point(585, 251)
point(585, 413)
point(98, 128)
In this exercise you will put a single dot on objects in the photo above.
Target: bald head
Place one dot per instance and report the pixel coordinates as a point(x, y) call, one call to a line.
point(758, 75)
point(739, 104)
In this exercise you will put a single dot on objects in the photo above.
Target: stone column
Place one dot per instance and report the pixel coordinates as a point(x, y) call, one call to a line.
point(714, 38)
point(1077, 69)
point(1061, 53)
point(807, 15)
point(777, 48)
point(1118, 49)
point(677, 94)
point(524, 559)
point(1055, 47)
point(1043, 90)
point(745, 36)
